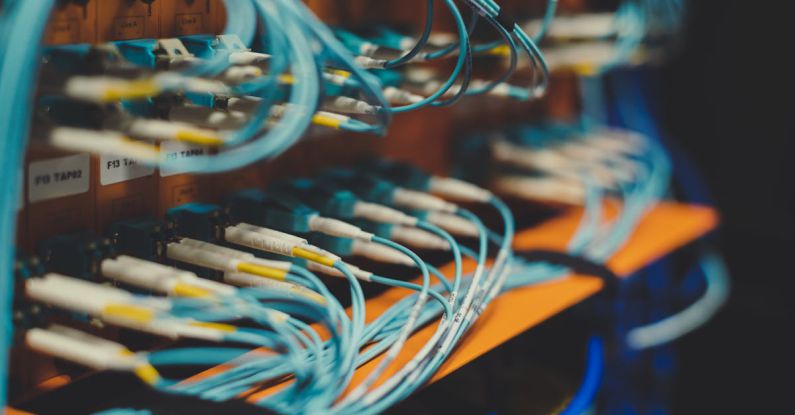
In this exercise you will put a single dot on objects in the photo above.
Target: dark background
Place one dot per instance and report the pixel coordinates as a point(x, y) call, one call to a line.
point(727, 102)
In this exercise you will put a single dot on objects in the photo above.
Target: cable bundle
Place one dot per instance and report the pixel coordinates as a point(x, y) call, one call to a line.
point(284, 325)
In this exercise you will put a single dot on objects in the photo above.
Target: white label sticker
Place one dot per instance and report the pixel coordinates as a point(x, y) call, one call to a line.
point(113, 169)
point(174, 151)
point(63, 176)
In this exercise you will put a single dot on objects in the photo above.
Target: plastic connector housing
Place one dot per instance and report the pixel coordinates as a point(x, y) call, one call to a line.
point(77, 255)
point(402, 174)
point(278, 210)
point(144, 238)
point(333, 202)
point(339, 246)
point(202, 221)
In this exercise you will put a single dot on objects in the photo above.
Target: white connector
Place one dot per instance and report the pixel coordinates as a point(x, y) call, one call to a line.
point(459, 189)
point(580, 149)
point(335, 78)
point(370, 63)
point(102, 142)
point(293, 239)
point(368, 49)
point(208, 117)
point(348, 105)
point(552, 162)
point(152, 129)
point(241, 73)
point(82, 348)
point(381, 253)
point(544, 188)
point(381, 213)
point(398, 96)
point(139, 273)
point(219, 260)
point(321, 252)
point(442, 39)
point(333, 115)
point(338, 228)
point(247, 58)
point(430, 87)
point(421, 75)
point(248, 280)
point(177, 81)
point(103, 89)
point(334, 272)
point(259, 241)
point(456, 225)
point(272, 233)
point(73, 294)
point(112, 305)
point(580, 26)
point(218, 249)
point(421, 201)
point(277, 111)
point(117, 307)
point(244, 104)
point(175, 50)
point(418, 238)
point(617, 141)
point(201, 257)
point(161, 278)
point(530, 158)
point(620, 167)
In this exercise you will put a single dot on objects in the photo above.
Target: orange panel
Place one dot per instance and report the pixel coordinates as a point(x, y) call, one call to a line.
point(71, 23)
point(55, 215)
point(123, 200)
point(123, 19)
point(184, 17)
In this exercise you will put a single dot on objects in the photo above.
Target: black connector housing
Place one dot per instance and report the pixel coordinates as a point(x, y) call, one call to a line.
point(76, 255)
point(144, 238)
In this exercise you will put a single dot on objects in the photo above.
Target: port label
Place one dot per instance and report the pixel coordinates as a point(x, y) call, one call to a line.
point(176, 151)
point(114, 169)
point(59, 177)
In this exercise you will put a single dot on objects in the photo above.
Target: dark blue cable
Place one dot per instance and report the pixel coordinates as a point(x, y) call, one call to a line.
point(585, 396)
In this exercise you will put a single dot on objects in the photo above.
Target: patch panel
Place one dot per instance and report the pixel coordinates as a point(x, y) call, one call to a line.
point(203, 187)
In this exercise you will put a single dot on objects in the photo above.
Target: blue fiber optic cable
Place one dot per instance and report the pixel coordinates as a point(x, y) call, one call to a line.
point(421, 42)
point(695, 315)
point(461, 62)
point(22, 25)
point(581, 402)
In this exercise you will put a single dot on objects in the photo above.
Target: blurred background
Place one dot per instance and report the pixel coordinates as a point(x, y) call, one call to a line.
point(724, 102)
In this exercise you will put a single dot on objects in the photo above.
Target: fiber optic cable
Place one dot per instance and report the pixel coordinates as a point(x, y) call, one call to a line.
point(293, 121)
point(241, 22)
point(694, 316)
point(483, 246)
point(18, 63)
point(409, 326)
point(580, 403)
point(421, 42)
point(339, 56)
point(461, 62)
point(376, 401)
